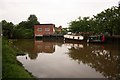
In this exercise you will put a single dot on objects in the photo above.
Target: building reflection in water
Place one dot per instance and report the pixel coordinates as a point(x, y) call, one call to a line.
point(34, 47)
point(42, 47)
point(102, 58)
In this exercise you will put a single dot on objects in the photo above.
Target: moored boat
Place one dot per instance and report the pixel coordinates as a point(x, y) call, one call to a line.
point(96, 39)
point(73, 37)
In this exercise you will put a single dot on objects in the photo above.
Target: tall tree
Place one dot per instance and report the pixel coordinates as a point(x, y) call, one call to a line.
point(32, 20)
point(106, 21)
point(25, 28)
point(7, 28)
point(80, 25)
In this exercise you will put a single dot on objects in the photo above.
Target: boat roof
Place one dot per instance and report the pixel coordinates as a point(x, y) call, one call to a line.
point(95, 36)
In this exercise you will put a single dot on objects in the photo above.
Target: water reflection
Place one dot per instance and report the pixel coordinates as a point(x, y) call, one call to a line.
point(102, 58)
point(44, 47)
point(78, 60)
point(33, 47)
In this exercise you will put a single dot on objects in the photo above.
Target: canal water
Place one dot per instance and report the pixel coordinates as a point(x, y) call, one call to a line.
point(59, 59)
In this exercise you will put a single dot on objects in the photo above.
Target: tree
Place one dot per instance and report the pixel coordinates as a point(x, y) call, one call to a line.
point(106, 21)
point(32, 20)
point(109, 20)
point(25, 29)
point(29, 24)
point(7, 28)
point(80, 25)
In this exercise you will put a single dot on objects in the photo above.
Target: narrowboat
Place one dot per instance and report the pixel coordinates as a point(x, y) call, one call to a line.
point(73, 37)
point(96, 39)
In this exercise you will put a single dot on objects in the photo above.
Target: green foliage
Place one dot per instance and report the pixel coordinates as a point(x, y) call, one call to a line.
point(106, 21)
point(7, 28)
point(64, 31)
point(32, 20)
point(109, 20)
point(80, 25)
point(23, 33)
point(0, 57)
point(23, 30)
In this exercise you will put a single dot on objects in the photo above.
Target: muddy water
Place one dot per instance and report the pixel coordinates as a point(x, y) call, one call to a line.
point(53, 59)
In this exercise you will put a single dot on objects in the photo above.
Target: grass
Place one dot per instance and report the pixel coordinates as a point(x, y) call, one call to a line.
point(0, 57)
point(11, 68)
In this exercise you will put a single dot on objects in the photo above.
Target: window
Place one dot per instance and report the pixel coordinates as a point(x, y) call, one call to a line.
point(39, 29)
point(47, 29)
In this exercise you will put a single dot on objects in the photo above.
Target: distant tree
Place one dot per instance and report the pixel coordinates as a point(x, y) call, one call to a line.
point(32, 20)
point(106, 21)
point(25, 29)
point(64, 31)
point(7, 28)
point(80, 25)
point(74, 26)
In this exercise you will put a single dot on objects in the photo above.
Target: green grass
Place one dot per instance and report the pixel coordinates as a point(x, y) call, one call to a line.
point(0, 57)
point(11, 68)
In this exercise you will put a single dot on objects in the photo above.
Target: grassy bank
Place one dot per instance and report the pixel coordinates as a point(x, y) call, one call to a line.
point(11, 68)
point(0, 57)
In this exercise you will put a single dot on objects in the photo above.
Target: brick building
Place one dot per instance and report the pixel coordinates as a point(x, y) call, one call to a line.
point(44, 29)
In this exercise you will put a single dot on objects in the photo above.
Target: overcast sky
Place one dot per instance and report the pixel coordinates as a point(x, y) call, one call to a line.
point(58, 12)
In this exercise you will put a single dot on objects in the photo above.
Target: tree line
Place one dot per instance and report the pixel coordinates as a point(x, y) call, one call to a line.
point(108, 21)
point(24, 29)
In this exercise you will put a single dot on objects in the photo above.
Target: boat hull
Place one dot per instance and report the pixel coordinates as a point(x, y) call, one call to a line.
point(72, 37)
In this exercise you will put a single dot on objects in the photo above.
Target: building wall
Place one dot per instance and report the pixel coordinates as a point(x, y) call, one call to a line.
point(44, 29)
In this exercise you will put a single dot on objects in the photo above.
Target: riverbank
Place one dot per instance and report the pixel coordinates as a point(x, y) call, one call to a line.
point(0, 57)
point(11, 68)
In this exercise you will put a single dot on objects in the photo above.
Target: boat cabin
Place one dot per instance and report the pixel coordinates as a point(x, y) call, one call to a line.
point(73, 37)
point(96, 38)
